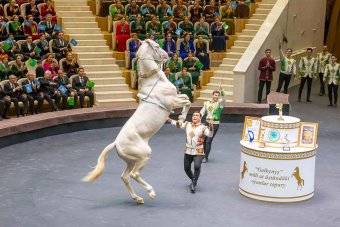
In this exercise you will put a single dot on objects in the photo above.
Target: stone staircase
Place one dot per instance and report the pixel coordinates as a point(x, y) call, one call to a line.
point(93, 53)
point(225, 70)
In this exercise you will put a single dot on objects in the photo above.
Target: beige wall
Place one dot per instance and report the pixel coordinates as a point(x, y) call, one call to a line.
point(305, 28)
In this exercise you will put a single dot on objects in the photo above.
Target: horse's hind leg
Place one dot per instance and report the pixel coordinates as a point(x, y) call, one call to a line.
point(136, 176)
point(126, 179)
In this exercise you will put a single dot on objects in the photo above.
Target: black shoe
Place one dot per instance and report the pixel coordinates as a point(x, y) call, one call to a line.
point(320, 94)
point(335, 105)
point(192, 187)
point(308, 100)
point(330, 105)
point(1, 119)
point(299, 100)
point(5, 117)
point(18, 115)
point(204, 160)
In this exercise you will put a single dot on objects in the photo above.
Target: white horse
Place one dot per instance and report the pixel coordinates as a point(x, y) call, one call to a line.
point(158, 99)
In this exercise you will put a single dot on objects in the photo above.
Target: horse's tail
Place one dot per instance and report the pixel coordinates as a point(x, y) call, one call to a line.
point(98, 170)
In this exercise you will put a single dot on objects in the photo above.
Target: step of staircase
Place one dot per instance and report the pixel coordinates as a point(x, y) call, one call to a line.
point(244, 38)
point(110, 102)
point(230, 61)
point(253, 26)
point(91, 42)
point(72, 8)
point(87, 55)
point(96, 61)
point(259, 16)
point(255, 21)
point(74, 13)
point(86, 36)
point(226, 81)
point(104, 81)
point(113, 94)
point(101, 68)
point(104, 74)
point(227, 67)
point(78, 19)
point(112, 87)
point(234, 55)
point(238, 49)
point(96, 49)
point(80, 25)
point(241, 43)
point(263, 11)
point(248, 32)
point(269, 1)
point(69, 3)
point(82, 30)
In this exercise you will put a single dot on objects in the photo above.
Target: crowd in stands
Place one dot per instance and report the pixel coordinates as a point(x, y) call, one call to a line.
point(37, 63)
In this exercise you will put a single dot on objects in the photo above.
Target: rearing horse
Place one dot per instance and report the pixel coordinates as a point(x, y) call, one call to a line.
point(158, 98)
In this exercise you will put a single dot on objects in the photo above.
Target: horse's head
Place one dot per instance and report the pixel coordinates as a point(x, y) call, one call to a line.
point(151, 49)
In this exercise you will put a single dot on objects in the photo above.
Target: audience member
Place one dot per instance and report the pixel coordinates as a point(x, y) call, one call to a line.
point(51, 65)
point(170, 76)
point(63, 80)
point(70, 65)
point(184, 83)
point(174, 65)
point(154, 28)
point(219, 37)
point(48, 9)
point(210, 12)
point(179, 11)
point(228, 18)
point(31, 28)
point(202, 53)
point(60, 46)
point(13, 48)
point(43, 46)
point(49, 24)
point(195, 12)
point(122, 34)
point(133, 47)
point(132, 10)
point(192, 67)
point(50, 90)
point(29, 49)
point(202, 28)
point(5, 103)
point(32, 9)
point(138, 26)
point(39, 70)
point(169, 45)
point(16, 29)
point(19, 68)
point(3, 30)
point(32, 91)
point(187, 26)
point(5, 70)
point(186, 46)
point(79, 83)
point(12, 9)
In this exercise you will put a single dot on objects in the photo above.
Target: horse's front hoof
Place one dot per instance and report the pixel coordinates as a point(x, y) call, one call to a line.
point(140, 201)
point(152, 194)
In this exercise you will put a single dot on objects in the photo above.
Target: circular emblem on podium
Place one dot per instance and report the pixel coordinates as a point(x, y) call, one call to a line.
point(273, 135)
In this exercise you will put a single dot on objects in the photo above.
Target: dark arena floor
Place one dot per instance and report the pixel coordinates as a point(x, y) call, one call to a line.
point(40, 181)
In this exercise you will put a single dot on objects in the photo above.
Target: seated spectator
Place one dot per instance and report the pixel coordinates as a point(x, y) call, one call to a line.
point(195, 12)
point(60, 46)
point(169, 45)
point(171, 76)
point(49, 24)
point(16, 94)
point(152, 37)
point(154, 28)
point(31, 28)
point(192, 67)
point(133, 47)
point(219, 37)
point(50, 90)
point(5, 71)
point(43, 45)
point(16, 29)
point(202, 53)
point(51, 65)
point(228, 18)
point(48, 9)
point(10, 50)
point(184, 84)
point(132, 10)
point(5, 103)
point(3, 30)
point(33, 93)
point(79, 83)
point(186, 46)
point(32, 9)
point(187, 26)
point(29, 49)
point(242, 10)
point(19, 68)
point(119, 11)
point(210, 12)
point(70, 65)
point(162, 12)
point(170, 26)
point(122, 34)
point(202, 29)
point(138, 26)
point(13, 9)
point(174, 65)
point(63, 80)
point(2, 12)
point(39, 70)
point(179, 12)
point(150, 12)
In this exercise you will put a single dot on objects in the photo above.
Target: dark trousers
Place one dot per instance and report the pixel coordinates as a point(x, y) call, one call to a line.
point(208, 140)
point(50, 101)
point(284, 78)
point(197, 159)
point(322, 84)
point(261, 85)
point(309, 86)
point(60, 97)
point(4, 106)
point(16, 100)
point(333, 89)
point(40, 100)
point(82, 95)
point(64, 100)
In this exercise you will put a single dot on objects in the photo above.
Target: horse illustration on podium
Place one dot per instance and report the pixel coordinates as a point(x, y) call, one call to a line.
point(158, 98)
point(300, 181)
point(244, 170)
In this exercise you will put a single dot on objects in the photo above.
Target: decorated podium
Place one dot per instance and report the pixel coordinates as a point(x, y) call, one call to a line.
point(278, 158)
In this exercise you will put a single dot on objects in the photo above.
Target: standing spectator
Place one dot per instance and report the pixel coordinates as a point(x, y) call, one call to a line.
point(50, 90)
point(70, 65)
point(122, 34)
point(29, 49)
point(47, 9)
point(202, 29)
point(51, 65)
point(5, 71)
point(332, 78)
point(15, 92)
point(33, 93)
point(138, 26)
point(49, 24)
point(79, 83)
point(19, 68)
point(192, 67)
point(16, 29)
point(202, 53)
point(174, 65)
point(210, 12)
point(267, 67)
point(323, 58)
point(63, 80)
point(133, 47)
point(219, 37)
point(288, 69)
point(308, 67)
point(60, 46)
point(5, 103)
point(169, 45)
point(32, 9)
point(186, 46)
point(195, 12)
point(31, 28)
point(43, 45)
